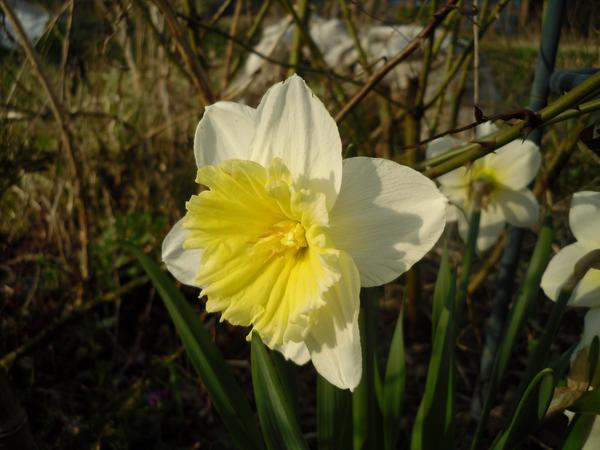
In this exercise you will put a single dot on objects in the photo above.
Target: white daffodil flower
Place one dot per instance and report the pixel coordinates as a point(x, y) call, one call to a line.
point(584, 221)
point(505, 174)
point(287, 232)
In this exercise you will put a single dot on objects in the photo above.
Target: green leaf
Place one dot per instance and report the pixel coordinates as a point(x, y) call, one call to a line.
point(225, 393)
point(516, 319)
point(393, 385)
point(443, 284)
point(588, 403)
point(334, 418)
point(530, 411)
point(365, 412)
point(275, 408)
point(578, 432)
point(436, 411)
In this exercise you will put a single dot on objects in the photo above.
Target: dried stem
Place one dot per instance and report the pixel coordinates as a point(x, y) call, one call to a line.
point(197, 73)
point(405, 53)
point(62, 118)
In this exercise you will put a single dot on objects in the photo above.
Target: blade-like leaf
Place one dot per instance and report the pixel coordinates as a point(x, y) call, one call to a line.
point(225, 393)
point(588, 403)
point(530, 411)
point(393, 385)
point(578, 432)
point(366, 421)
point(436, 411)
point(275, 408)
point(443, 284)
point(516, 319)
point(334, 418)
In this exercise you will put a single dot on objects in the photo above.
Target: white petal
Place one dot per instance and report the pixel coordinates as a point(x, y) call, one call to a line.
point(452, 213)
point(520, 208)
point(587, 292)
point(295, 351)
point(224, 132)
point(294, 125)
point(334, 341)
point(458, 195)
point(441, 145)
point(515, 164)
point(593, 440)
point(457, 178)
point(485, 129)
point(491, 224)
point(387, 217)
point(182, 263)
point(591, 327)
point(584, 216)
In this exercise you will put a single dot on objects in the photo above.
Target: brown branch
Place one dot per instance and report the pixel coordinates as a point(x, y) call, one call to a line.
point(183, 46)
point(61, 117)
point(435, 21)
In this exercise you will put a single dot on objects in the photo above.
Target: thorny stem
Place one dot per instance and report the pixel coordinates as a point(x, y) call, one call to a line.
point(475, 150)
point(467, 52)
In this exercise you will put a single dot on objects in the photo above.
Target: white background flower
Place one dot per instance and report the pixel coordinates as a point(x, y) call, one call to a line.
point(376, 220)
point(507, 172)
point(584, 221)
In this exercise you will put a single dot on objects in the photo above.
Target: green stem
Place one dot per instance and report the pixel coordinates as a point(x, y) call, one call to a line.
point(365, 413)
point(469, 256)
point(362, 57)
point(251, 34)
point(300, 29)
point(517, 316)
point(475, 150)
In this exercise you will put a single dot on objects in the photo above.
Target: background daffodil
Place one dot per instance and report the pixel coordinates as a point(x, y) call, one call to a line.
point(584, 221)
point(505, 175)
point(287, 232)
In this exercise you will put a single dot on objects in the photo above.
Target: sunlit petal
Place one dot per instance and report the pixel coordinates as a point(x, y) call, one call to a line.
point(387, 217)
point(514, 165)
point(224, 132)
point(294, 351)
point(520, 208)
point(561, 266)
point(182, 263)
point(294, 125)
point(584, 216)
point(334, 341)
point(491, 224)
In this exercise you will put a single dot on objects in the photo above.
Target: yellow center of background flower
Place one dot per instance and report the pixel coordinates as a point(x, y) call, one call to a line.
point(267, 257)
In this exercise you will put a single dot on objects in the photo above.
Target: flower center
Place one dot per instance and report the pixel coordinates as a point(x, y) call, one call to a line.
point(486, 182)
point(267, 258)
point(285, 237)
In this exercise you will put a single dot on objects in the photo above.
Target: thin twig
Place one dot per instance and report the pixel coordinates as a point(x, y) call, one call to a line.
point(405, 53)
point(61, 117)
point(199, 77)
point(475, 58)
point(229, 50)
